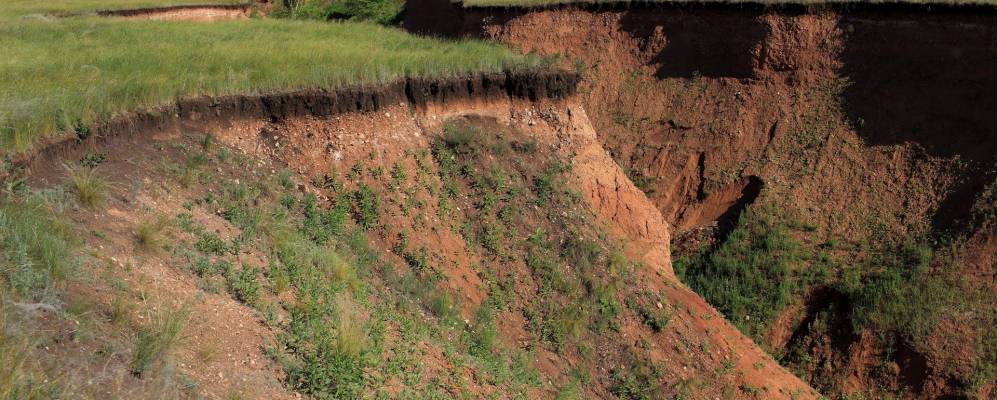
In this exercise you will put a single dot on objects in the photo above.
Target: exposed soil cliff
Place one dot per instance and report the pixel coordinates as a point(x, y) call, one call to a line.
point(863, 122)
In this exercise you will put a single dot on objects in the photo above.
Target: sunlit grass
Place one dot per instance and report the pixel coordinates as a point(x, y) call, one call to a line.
point(61, 73)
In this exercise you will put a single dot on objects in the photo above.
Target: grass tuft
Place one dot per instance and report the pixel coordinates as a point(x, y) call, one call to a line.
point(149, 234)
point(155, 342)
point(36, 247)
point(91, 189)
point(350, 336)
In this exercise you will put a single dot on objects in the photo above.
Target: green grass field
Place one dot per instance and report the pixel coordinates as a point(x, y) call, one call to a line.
point(59, 72)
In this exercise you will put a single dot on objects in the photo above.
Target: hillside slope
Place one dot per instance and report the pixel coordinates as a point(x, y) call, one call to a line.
point(465, 238)
point(866, 166)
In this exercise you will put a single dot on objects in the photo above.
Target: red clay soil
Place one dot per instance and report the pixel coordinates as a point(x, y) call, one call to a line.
point(831, 110)
point(315, 132)
point(697, 344)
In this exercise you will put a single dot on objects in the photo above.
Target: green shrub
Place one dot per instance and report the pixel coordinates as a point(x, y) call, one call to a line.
point(558, 323)
point(894, 291)
point(652, 316)
point(190, 171)
point(461, 137)
point(485, 332)
point(245, 285)
point(398, 175)
point(607, 307)
point(529, 146)
point(640, 383)
point(443, 305)
point(385, 12)
point(210, 243)
point(748, 277)
point(284, 178)
point(546, 184)
point(207, 141)
point(366, 207)
point(329, 356)
point(280, 279)
point(203, 267)
point(93, 159)
point(321, 225)
point(417, 260)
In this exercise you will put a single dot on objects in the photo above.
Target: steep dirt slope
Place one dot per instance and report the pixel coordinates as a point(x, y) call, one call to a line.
point(496, 249)
point(830, 117)
point(715, 359)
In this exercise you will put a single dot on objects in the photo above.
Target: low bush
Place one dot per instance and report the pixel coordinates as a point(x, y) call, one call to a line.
point(93, 159)
point(322, 225)
point(640, 383)
point(366, 207)
point(244, 284)
point(652, 315)
point(210, 243)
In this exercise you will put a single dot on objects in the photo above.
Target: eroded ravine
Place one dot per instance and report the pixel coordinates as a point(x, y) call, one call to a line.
point(312, 133)
point(823, 113)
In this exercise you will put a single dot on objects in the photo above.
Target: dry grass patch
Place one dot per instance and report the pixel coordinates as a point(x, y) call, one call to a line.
point(150, 234)
point(156, 341)
point(90, 187)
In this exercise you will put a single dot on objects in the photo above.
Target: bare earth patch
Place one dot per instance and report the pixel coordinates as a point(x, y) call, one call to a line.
point(183, 13)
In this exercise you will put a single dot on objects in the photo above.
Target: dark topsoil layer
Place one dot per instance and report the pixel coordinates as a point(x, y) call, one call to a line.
point(418, 92)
